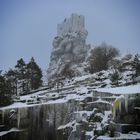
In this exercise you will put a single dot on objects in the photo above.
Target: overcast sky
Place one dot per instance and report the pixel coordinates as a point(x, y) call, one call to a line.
point(27, 27)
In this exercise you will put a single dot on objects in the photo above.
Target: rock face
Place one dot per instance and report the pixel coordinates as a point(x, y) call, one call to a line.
point(37, 122)
point(126, 111)
point(73, 24)
point(69, 47)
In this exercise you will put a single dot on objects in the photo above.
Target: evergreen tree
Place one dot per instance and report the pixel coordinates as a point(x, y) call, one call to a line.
point(115, 77)
point(21, 69)
point(136, 65)
point(34, 74)
point(11, 77)
point(5, 94)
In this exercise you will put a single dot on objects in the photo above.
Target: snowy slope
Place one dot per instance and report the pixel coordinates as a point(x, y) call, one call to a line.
point(121, 90)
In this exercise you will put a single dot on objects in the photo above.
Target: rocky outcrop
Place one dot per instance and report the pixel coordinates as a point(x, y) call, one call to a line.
point(70, 25)
point(38, 122)
point(126, 113)
point(83, 117)
point(69, 48)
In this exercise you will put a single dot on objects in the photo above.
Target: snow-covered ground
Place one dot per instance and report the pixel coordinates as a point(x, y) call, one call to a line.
point(9, 131)
point(121, 90)
point(130, 136)
point(79, 94)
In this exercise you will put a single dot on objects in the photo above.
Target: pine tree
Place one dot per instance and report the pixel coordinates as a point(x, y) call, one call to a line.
point(136, 65)
point(21, 69)
point(11, 77)
point(34, 74)
point(115, 77)
point(5, 94)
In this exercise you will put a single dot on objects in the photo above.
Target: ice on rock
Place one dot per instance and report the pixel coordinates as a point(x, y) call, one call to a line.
point(18, 118)
point(126, 102)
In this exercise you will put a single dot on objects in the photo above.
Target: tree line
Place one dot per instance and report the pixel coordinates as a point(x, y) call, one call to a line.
point(20, 80)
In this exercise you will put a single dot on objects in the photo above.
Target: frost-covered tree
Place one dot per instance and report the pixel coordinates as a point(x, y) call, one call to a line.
point(67, 72)
point(100, 56)
point(136, 65)
point(115, 77)
point(127, 57)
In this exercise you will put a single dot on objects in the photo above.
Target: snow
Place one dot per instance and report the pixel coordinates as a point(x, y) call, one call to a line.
point(89, 133)
point(82, 90)
point(129, 136)
point(31, 95)
point(88, 113)
point(98, 126)
point(9, 131)
point(105, 118)
point(50, 99)
point(23, 105)
point(137, 108)
point(132, 89)
point(70, 124)
point(83, 115)
point(105, 138)
point(81, 78)
point(73, 96)
point(14, 105)
point(100, 101)
point(119, 97)
point(58, 101)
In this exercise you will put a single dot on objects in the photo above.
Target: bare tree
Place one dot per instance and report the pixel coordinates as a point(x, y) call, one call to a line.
point(100, 56)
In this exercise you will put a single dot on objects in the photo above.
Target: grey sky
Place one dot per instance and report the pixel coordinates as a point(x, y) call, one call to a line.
point(27, 27)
